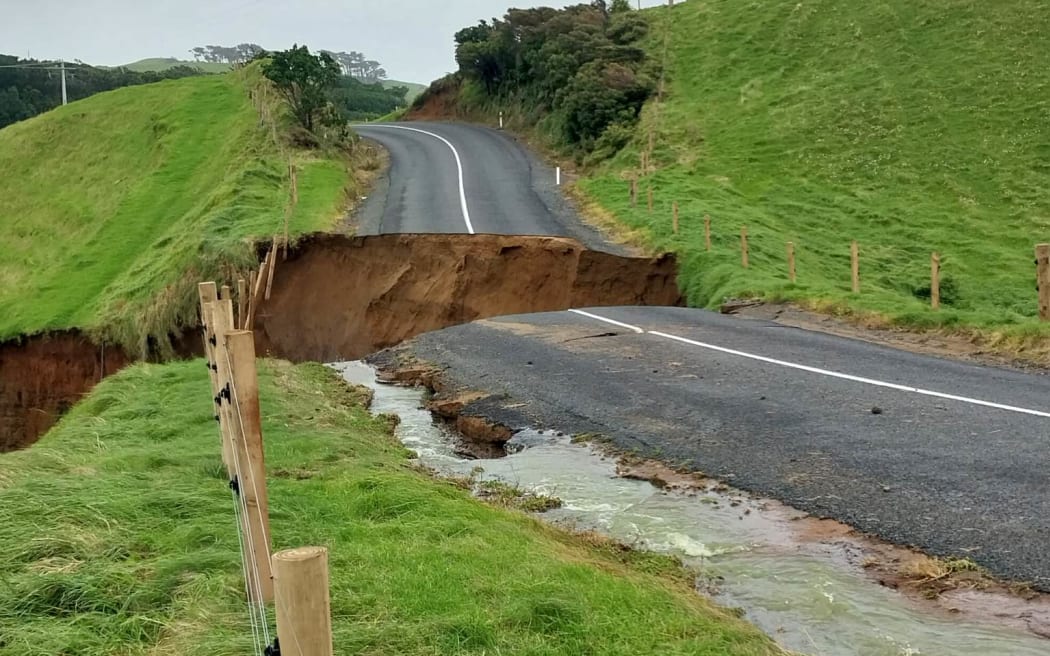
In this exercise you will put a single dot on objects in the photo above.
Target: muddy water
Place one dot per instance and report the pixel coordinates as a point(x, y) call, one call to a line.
point(809, 596)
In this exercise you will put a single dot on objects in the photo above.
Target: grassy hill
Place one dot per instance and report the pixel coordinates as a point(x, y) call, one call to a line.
point(164, 63)
point(113, 207)
point(118, 537)
point(910, 126)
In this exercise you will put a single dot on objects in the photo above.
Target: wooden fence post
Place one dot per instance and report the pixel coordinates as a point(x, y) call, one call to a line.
point(303, 605)
point(208, 294)
point(675, 223)
point(251, 465)
point(854, 251)
point(650, 198)
point(935, 281)
point(1042, 262)
point(707, 232)
point(273, 267)
point(246, 320)
point(242, 303)
point(791, 261)
point(222, 323)
point(744, 259)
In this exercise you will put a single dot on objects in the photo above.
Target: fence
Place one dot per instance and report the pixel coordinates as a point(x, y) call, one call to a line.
point(294, 581)
point(1042, 256)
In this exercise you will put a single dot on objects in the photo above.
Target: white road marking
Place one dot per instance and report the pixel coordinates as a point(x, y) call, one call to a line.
point(459, 166)
point(615, 323)
point(822, 372)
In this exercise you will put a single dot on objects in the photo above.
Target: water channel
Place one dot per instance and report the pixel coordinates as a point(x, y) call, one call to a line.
point(809, 596)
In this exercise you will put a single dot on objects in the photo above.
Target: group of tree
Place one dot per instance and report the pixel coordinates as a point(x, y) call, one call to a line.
point(356, 66)
point(238, 54)
point(320, 95)
point(29, 87)
point(580, 69)
point(353, 64)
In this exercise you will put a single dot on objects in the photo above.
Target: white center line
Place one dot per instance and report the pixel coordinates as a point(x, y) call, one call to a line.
point(819, 371)
point(459, 166)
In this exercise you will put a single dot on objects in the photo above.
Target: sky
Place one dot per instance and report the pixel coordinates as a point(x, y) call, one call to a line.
point(412, 39)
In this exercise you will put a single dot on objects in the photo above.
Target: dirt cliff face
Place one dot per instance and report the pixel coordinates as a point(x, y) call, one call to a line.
point(43, 376)
point(342, 297)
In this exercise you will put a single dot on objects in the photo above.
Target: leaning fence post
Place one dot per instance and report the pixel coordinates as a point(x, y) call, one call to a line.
point(935, 281)
point(303, 602)
point(707, 232)
point(854, 252)
point(791, 261)
point(251, 465)
point(744, 259)
point(242, 302)
point(1042, 262)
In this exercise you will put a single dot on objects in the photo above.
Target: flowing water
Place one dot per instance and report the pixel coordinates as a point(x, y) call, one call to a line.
point(808, 596)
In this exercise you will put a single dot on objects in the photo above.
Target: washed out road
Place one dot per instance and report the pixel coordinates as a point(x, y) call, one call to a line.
point(939, 454)
point(947, 456)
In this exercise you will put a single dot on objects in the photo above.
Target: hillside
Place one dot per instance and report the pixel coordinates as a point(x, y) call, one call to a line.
point(164, 63)
point(909, 126)
point(112, 208)
point(119, 538)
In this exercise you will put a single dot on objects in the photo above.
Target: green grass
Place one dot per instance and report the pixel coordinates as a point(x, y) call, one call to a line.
point(117, 537)
point(164, 63)
point(909, 125)
point(112, 208)
point(414, 89)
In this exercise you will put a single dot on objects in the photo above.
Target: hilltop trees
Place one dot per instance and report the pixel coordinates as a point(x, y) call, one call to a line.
point(304, 80)
point(580, 70)
point(227, 55)
point(356, 66)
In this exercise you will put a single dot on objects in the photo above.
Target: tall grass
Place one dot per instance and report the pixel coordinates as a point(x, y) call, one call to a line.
point(113, 207)
point(117, 536)
point(910, 126)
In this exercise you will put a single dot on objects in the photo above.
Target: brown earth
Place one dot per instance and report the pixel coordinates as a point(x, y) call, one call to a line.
point(43, 376)
point(341, 298)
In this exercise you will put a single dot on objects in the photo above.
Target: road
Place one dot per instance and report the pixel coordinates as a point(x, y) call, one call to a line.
point(447, 177)
point(947, 456)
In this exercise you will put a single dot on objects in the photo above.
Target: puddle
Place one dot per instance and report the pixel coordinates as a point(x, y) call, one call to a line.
point(809, 596)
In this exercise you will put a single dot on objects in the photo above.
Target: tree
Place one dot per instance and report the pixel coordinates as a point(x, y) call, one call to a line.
point(304, 80)
point(620, 6)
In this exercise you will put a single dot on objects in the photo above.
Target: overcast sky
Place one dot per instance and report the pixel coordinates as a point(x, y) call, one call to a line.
point(411, 38)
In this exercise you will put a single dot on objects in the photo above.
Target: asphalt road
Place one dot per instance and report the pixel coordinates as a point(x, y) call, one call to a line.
point(947, 456)
point(447, 177)
point(826, 424)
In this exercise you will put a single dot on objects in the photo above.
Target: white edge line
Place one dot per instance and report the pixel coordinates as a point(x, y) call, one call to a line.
point(817, 370)
point(459, 165)
point(615, 323)
point(857, 379)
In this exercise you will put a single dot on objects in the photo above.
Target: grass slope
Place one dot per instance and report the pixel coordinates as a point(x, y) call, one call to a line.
point(113, 207)
point(164, 63)
point(117, 537)
point(909, 125)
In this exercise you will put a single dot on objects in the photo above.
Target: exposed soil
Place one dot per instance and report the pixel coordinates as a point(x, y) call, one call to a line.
point(43, 376)
point(341, 298)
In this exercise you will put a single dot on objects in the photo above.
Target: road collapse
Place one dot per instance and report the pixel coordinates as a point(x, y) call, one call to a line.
point(338, 297)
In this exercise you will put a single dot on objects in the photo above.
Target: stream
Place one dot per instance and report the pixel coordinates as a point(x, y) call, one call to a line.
point(809, 596)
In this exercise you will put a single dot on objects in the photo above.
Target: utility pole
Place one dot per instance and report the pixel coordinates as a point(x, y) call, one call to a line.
point(62, 67)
